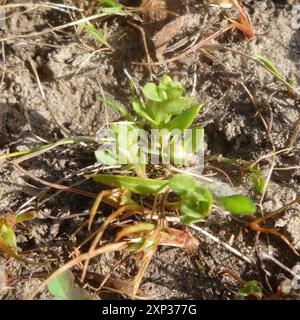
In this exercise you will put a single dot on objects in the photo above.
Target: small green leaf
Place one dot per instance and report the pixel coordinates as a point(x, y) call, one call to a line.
point(182, 184)
point(151, 92)
point(200, 268)
point(111, 7)
point(177, 105)
point(272, 68)
point(196, 204)
point(184, 120)
point(195, 200)
point(238, 204)
point(62, 288)
point(251, 287)
point(164, 100)
point(188, 220)
point(140, 170)
point(166, 80)
point(110, 3)
point(133, 184)
point(97, 35)
point(259, 183)
point(268, 64)
point(7, 237)
point(138, 108)
point(172, 89)
point(257, 178)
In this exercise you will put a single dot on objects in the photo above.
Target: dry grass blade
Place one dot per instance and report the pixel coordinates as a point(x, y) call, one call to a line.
point(255, 225)
point(114, 215)
point(139, 227)
point(281, 265)
point(226, 245)
point(45, 4)
point(147, 257)
point(293, 134)
point(58, 28)
point(95, 207)
point(57, 186)
point(244, 25)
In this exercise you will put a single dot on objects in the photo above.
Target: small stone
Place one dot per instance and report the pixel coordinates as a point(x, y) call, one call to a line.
point(222, 233)
point(286, 286)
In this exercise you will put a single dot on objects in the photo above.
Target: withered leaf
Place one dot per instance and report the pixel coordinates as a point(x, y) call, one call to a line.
point(166, 34)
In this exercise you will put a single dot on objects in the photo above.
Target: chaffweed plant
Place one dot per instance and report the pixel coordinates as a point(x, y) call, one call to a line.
point(160, 106)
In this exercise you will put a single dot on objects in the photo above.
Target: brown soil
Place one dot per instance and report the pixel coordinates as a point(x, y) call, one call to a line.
point(72, 80)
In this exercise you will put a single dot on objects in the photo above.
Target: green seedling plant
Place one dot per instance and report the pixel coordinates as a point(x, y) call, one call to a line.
point(162, 102)
point(163, 105)
point(194, 201)
point(107, 8)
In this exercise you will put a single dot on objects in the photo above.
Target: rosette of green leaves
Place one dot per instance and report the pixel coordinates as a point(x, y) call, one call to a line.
point(165, 107)
point(162, 102)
